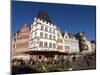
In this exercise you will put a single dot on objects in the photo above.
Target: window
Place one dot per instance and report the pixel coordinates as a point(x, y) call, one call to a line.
point(45, 44)
point(34, 42)
point(31, 42)
point(60, 48)
point(53, 37)
point(54, 31)
point(60, 40)
point(46, 29)
point(35, 34)
point(41, 44)
point(41, 34)
point(13, 46)
point(46, 35)
point(50, 30)
point(67, 47)
point(54, 45)
point(50, 45)
point(50, 36)
point(37, 42)
point(66, 41)
point(42, 27)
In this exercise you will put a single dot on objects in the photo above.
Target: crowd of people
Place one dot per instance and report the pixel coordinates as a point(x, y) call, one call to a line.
point(65, 63)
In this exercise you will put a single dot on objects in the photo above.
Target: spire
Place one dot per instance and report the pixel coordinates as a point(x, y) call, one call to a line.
point(44, 16)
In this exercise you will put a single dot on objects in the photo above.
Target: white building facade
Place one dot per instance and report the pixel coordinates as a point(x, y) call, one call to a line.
point(60, 41)
point(43, 36)
point(89, 46)
point(71, 44)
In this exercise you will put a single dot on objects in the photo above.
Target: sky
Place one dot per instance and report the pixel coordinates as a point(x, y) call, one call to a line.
point(69, 18)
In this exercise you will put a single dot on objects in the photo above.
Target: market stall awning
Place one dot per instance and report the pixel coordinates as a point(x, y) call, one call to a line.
point(48, 53)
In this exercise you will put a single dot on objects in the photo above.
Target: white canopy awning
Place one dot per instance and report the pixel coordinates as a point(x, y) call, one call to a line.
point(24, 57)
